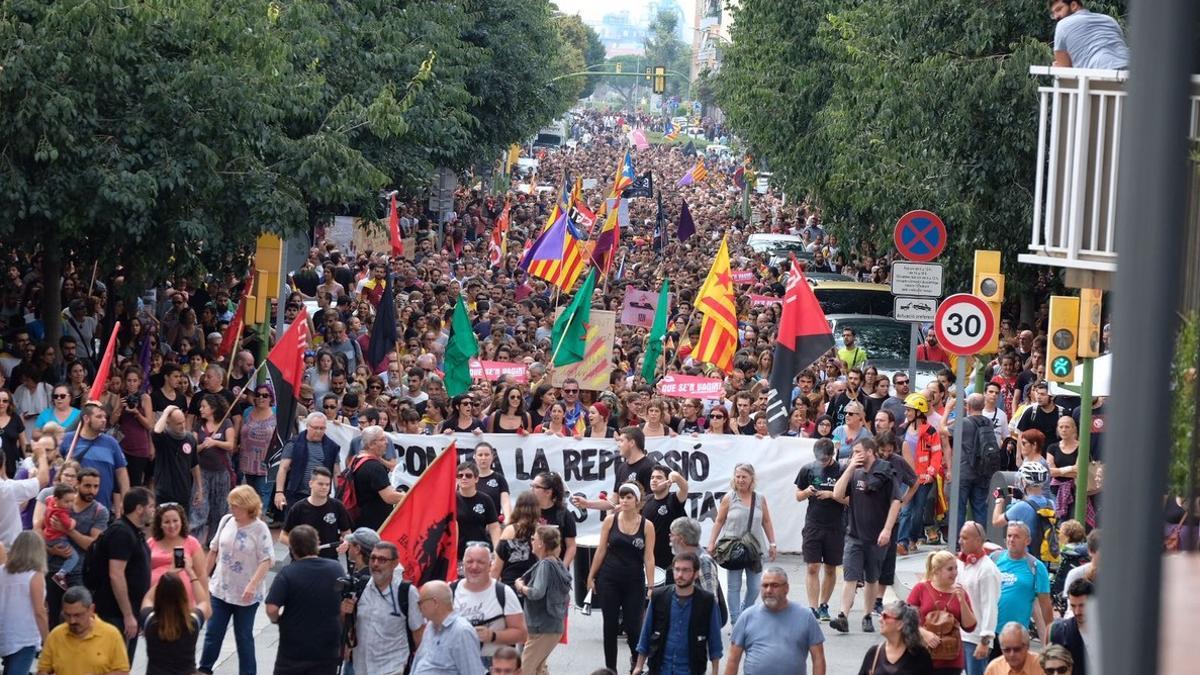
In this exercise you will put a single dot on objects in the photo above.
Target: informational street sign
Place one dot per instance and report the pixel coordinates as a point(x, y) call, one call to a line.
point(922, 279)
point(918, 310)
point(964, 324)
point(920, 235)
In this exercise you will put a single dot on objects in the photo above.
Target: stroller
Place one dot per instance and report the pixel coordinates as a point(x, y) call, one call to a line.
point(1073, 556)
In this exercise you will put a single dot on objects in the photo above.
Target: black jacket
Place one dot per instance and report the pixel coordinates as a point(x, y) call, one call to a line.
point(698, 629)
point(1065, 632)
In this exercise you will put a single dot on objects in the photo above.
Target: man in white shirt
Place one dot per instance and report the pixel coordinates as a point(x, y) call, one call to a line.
point(14, 493)
point(477, 599)
point(387, 608)
point(980, 578)
point(992, 411)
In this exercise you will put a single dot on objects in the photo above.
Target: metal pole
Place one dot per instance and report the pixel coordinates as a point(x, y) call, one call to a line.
point(1085, 443)
point(914, 338)
point(957, 456)
point(1152, 191)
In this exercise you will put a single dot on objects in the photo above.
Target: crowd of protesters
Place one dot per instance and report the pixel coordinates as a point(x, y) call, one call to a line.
point(149, 507)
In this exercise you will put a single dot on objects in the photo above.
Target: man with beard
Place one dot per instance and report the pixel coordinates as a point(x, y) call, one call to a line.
point(776, 636)
point(125, 563)
point(91, 517)
point(82, 644)
point(682, 629)
point(386, 608)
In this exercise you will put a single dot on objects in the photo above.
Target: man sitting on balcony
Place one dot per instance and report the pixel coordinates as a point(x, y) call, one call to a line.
point(1084, 39)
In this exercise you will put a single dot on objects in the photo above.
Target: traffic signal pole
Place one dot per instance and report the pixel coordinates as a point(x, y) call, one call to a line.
point(957, 458)
point(1084, 458)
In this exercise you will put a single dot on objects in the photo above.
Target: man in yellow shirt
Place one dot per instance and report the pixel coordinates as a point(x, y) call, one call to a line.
point(82, 645)
point(851, 354)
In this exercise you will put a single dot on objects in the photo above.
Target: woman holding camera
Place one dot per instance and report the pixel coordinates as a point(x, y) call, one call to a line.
point(173, 613)
point(135, 421)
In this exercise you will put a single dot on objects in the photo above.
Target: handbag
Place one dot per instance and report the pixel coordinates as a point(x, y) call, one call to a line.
point(1095, 478)
point(1171, 542)
point(944, 625)
point(741, 552)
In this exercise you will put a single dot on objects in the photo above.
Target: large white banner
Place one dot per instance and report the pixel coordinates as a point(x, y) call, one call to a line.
point(706, 461)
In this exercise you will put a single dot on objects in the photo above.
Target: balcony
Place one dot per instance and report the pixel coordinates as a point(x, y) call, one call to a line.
point(1078, 155)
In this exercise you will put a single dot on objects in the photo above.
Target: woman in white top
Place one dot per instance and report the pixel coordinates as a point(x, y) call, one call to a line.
point(22, 595)
point(242, 551)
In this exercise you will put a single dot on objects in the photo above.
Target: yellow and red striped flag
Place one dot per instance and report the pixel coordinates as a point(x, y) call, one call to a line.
point(718, 330)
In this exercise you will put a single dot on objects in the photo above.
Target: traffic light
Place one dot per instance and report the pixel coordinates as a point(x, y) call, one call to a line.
point(1063, 340)
point(649, 74)
point(1089, 323)
point(660, 79)
point(620, 67)
point(268, 257)
point(989, 287)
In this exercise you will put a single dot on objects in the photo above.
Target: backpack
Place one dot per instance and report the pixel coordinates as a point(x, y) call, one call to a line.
point(1045, 535)
point(989, 458)
point(499, 587)
point(345, 485)
point(95, 560)
point(399, 604)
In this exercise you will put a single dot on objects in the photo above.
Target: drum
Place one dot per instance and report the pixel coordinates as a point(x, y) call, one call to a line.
point(660, 577)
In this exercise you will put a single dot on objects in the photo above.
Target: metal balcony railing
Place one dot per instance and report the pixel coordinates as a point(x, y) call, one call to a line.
point(1078, 154)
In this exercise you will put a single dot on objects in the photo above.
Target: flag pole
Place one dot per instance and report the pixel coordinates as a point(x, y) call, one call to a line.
point(453, 447)
point(241, 393)
point(92, 283)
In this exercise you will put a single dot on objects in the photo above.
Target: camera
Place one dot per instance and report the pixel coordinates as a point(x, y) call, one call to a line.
point(351, 586)
point(132, 400)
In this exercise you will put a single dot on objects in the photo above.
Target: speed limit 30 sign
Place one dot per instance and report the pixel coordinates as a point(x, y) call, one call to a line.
point(964, 324)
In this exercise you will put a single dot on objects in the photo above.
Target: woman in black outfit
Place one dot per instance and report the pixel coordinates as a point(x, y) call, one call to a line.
point(510, 416)
point(622, 572)
point(171, 623)
point(902, 651)
point(551, 494)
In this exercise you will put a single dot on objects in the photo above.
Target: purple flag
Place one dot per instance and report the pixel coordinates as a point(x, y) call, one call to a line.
point(686, 226)
point(549, 244)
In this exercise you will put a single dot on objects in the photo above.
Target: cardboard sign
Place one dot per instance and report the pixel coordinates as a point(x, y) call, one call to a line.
point(691, 386)
point(596, 367)
point(639, 308)
point(493, 370)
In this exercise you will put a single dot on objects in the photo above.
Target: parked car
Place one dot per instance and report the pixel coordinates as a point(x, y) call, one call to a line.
point(853, 297)
point(887, 343)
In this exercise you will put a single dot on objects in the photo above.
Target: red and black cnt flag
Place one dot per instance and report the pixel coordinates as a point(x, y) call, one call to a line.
point(424, 527)
point(804, 335)
point(286, 364)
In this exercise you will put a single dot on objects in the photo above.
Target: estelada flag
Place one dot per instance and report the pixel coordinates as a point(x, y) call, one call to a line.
point(424, 527)
point(101, 381)
point(803, 336)
point(286, 364)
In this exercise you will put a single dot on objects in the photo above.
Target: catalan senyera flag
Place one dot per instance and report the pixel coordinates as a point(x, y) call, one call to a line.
point(718, 330)
point(695, 174)
point(625, 175)
point(670, 132)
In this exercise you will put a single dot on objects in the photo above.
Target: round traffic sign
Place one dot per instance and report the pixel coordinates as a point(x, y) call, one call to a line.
point(964, 324)
point(920, 235)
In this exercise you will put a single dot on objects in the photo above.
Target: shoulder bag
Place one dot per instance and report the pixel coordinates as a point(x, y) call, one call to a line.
point(741, 552)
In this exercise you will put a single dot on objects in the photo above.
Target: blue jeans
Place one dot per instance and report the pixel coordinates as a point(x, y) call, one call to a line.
point(261, 486)
point(973, 492)
point(734, 596)
point(243, 635)
point(974, 666)
point(912, 516)
point(20, 661)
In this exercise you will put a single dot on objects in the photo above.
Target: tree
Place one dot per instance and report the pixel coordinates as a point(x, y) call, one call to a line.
point(625, 85)
point(664, 48)
point(877, 108)
point(578, 34)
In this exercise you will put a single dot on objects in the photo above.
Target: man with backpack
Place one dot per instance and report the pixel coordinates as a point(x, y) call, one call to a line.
point(328, 516)
point(387, 607)
point(1035, 510)
point(490, 605)
point(981, 457)
point(1024, 584)
point(117, 567)
point(365, 487)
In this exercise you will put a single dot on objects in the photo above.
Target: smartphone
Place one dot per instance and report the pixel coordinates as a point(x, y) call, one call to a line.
point(178, 557)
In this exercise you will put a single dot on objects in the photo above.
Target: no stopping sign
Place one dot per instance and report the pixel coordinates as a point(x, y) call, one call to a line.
point(964, 324)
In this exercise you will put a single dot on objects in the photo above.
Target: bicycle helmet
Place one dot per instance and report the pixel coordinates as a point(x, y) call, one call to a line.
point(1033, 473)
point(917, 402)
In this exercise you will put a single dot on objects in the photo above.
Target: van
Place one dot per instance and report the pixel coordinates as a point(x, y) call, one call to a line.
point(853, 297)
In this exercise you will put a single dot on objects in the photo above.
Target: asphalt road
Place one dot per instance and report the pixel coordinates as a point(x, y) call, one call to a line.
point(585, 653)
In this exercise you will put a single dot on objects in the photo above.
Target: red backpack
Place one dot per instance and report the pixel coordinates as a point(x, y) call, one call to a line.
point(345, 485)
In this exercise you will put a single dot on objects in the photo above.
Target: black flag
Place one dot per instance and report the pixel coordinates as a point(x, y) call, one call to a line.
point(643, 186)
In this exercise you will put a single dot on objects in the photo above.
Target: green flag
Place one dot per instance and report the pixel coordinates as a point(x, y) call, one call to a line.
point(654, 342)
point(459, 349)
point(569, 337)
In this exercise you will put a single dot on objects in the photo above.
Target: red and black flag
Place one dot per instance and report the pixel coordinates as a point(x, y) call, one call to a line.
point(383, 329)
point(804, 335)
point(286, 364)
point(425, 526)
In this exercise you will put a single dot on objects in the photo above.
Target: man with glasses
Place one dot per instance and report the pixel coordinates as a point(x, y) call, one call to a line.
point(177, 470)
point(387, 607)
point(1015, 658)
point(82, 644)
point(477, 515)
point(489, 605)
point(895, 403)
point(304, 452)
point(304, 600)
point(776, 636)
point(449, 644)
point(575, 409)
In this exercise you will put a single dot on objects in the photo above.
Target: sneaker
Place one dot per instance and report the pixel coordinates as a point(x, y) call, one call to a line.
point(878, 608)
point(901, 550)
point(823, 613)
point(840, 624)
point(868, 627)
point(816, 615)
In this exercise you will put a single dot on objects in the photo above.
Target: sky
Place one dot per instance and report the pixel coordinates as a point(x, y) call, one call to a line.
point(592, 10)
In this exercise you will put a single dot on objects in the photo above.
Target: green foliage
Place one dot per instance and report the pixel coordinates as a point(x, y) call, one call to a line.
point(582, 37)
point(876, 108)
point(664, 48)
point(1183, 405)
point(625, 85)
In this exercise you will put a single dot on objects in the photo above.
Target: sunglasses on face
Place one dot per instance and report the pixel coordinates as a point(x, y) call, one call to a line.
point(1056, 670)
point(59, 397)
point(332, 406)
point(466, 475)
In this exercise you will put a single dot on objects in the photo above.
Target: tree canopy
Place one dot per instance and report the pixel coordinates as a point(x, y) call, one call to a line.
point(876, 108)
point(664, 48)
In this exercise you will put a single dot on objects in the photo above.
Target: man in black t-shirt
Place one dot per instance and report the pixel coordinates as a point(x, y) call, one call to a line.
point(874, 500)
point(1042, 415)
point(177, 470)
point(167, 394)
point(125, 560)
point(662, 508)
point(327, 516)
point(837, 407)
point(310, 630)
point(372, 486)
point(824, 533)
point(634, 465)
point(477, 518)
point(211, 382)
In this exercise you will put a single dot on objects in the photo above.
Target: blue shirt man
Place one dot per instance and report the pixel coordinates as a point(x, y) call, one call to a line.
point(1024, 582)
point(97, 450)
point(449, 646)
point(1084, 39)
point(777, 637)
point(675, 641)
